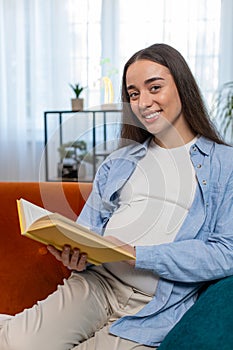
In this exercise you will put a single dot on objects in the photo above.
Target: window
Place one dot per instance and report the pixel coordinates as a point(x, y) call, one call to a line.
point(47, 44)
point(85, 29)
point(192, 27)
point(112, 30)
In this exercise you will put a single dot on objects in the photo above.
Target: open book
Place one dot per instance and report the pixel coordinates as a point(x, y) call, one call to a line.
point(51, 228)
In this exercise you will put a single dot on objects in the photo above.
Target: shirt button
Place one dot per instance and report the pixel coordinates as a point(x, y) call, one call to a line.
point(194, 148)
point(204, 182)
point(199, 166)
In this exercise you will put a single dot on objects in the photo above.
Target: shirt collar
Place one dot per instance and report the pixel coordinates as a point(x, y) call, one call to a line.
point(140, 149)
point(204, 145)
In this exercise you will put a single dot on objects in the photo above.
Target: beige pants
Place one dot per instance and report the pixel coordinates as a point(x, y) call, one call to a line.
point(77, 316)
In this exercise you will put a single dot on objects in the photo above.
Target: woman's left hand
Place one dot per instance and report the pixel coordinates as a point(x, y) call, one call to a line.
point(72, 259)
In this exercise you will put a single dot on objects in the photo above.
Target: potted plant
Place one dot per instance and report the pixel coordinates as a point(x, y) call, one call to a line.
point(222, 111)
point(77, 102)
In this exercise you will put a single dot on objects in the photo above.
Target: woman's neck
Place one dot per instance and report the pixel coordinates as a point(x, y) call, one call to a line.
point(174, 139)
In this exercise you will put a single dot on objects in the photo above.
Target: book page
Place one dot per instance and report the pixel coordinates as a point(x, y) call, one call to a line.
point(31, 212)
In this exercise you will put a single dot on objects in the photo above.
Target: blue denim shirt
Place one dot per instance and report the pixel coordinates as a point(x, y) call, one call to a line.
point(202, 250)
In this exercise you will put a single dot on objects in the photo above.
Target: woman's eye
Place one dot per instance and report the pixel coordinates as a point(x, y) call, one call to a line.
point(155, 88)
point(133, 95)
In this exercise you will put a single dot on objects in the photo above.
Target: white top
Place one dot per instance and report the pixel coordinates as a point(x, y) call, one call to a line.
point(153, 205)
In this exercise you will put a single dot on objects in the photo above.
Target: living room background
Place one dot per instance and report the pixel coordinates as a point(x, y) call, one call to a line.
point(47, 44)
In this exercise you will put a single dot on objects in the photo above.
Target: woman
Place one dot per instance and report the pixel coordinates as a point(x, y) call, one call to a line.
point(168, 194)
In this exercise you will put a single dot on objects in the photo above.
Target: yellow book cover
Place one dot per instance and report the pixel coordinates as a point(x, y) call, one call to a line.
point(51, 228)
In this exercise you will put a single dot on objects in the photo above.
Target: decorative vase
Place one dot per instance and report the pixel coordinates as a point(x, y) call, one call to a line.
point(77, 104)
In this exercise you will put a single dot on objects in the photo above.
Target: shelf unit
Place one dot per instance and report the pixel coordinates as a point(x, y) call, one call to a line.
point(96, 127)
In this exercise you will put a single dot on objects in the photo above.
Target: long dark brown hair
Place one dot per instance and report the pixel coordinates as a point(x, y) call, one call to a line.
point(193, 106)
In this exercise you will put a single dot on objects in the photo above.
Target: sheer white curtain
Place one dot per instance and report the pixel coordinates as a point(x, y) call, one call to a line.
point(43, 44)
point(192, 27)
point(34, 63)
point(12, 103)
point(226, 43)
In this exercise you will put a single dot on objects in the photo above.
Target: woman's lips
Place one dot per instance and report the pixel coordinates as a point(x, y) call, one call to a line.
point(152, 116)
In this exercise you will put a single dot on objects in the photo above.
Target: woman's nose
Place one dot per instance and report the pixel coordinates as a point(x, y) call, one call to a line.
point(145, 99)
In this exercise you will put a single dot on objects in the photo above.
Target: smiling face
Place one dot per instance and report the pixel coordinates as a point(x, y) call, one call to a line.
point(155, 101)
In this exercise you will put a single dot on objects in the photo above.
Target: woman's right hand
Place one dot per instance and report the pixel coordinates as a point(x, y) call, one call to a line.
point(72, 260)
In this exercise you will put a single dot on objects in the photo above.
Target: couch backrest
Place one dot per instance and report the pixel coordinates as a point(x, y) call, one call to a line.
point(28, 273)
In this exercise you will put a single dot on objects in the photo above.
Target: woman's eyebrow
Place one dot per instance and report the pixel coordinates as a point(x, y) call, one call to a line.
point(146, 82)
point(130, 87)
point(151, 80)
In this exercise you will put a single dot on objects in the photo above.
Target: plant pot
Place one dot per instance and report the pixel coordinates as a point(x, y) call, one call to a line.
point(77, 104)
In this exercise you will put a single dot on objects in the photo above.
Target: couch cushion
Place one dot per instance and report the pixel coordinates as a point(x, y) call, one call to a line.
point(208, 324)
point(27, 271)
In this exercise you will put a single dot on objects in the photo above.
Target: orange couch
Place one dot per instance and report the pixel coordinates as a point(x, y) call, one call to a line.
point(27, 271)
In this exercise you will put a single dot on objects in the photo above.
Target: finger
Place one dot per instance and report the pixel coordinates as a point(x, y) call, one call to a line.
point(65, 255)
point(82, 262)
point(54, 252)
point(74, 258)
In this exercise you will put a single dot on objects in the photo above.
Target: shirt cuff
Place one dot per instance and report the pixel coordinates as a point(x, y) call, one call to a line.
point(146, 257)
